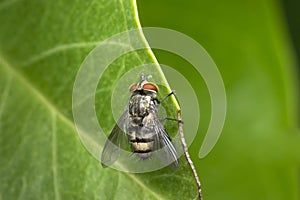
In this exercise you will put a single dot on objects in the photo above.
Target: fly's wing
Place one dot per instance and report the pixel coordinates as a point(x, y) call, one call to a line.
point(163, 141)
point(116, 140)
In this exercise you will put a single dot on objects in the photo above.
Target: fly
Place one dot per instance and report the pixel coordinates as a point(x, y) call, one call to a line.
point(140, 127)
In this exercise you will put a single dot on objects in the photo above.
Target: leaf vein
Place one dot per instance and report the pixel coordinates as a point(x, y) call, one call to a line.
point(124, 15)
point(54, 158)
point(18, 149)
point(139, 182)
point(65, 47)
point(4, 97)
point(23, 189)
point(55, 50)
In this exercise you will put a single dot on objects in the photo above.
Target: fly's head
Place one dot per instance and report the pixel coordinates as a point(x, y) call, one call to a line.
point(143, 87)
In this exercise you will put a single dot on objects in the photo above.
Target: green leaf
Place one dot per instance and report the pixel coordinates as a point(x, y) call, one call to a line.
point(43, 44)
point(257, 155)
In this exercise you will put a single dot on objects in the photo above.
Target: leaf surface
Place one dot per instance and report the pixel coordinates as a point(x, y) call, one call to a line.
point(43, 44)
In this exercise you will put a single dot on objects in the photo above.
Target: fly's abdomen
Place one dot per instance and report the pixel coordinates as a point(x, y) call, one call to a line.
point(142, 148)
point(141, 141)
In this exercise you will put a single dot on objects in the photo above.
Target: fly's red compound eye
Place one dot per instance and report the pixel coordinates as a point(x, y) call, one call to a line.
point(133, 87)
point(150, 86)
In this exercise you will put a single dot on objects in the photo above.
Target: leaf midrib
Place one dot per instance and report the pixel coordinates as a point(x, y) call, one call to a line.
point(39, 95)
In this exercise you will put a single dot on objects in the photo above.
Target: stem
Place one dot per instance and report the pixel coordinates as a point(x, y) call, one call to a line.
point(187, 155)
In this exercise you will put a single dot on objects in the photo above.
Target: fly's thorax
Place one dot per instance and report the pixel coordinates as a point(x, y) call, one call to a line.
point(139, 105)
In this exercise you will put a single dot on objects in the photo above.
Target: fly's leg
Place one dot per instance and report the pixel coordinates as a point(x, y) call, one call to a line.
point(163, 99)
point(172, 119)
point(168, 118)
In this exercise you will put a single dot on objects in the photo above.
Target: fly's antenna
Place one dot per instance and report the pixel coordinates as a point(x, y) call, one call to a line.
point(145, 78)
point(142, 77)
point(148, 77)
point(139, 85)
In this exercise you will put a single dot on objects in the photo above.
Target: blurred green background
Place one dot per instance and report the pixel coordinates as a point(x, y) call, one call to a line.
point(257, 155)
point(292, 14)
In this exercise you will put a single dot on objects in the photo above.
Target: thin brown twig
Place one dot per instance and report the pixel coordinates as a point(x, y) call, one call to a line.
point(187, 155)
